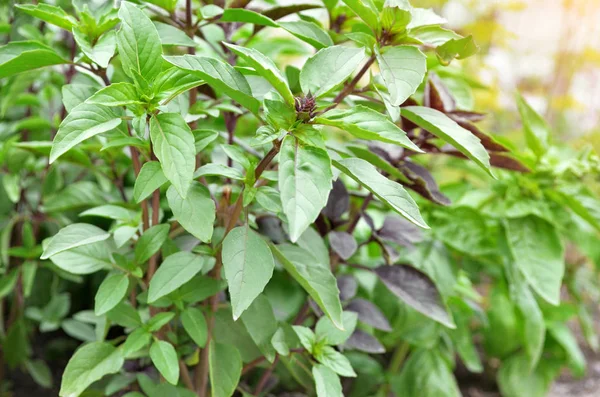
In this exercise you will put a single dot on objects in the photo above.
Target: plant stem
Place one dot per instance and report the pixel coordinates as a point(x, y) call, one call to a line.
point(201, 371)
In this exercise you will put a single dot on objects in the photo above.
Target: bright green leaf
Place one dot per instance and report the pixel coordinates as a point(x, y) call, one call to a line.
point(248, 266)
point(195, 213)
point(176, 270)
point(304, 182)
point(329, 68)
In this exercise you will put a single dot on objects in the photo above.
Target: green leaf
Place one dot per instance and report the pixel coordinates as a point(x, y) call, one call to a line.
point(76, 94)
point(213, 169)
point(266, 68)
point(402, 69)
point(309, 32)
point(417, 290)
point(136, 340)
point(269, 199)
point(248, 266)
point(306, 337)
point(366, 123)
point(110, 293)
point(459, 48)
point(538, 253)
point(11, 186)
point(366, 10)
point(176, 270)
point(565, 338)
point(533, 327)
point(247, 16)
point(390, 192)
point(537, 132)
point(103, 49)
point(174, 146)
point(21, 56)
point(79, 330)
point(194, 324)
point(328, 333)
point(173, 82)
point(150, 242)
point(110, 211)
point(89, 364)
point(49, 13)
point(426, 373)
point(447, 129)
point(85, 259)
point(335, 361)
point(124, 315)
point(220, 75)
point(195, 213)
point(8, 282)
point(40, 372)
point(151, 177)
point(84, 121)
point(304, 182)
point(158, 321)
point(164, 358)
point(170, 35)
point(138, 42)
point(225, 364)
point(329, 68)
point(327, 382)
point(315, 278)
point(74, 235)
point(515, 379)
point(261, 324)
point(116, 94)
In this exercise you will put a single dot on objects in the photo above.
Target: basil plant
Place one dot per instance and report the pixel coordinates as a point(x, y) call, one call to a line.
point(218, 199)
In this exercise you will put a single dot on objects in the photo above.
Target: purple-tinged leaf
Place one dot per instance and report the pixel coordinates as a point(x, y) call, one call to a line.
point(466, 115)
point(437, 95)
point(417, 290)
point(369, 314)
point(399, 231)
point(271, 227)
point(487, 141)
point(423, 183)
point(348, 286)
point(502, 160)
point(343, 244)
point(338, 201)
point(360, 340)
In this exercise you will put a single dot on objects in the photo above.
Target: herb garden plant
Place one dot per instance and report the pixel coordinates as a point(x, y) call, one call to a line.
point(205, 221)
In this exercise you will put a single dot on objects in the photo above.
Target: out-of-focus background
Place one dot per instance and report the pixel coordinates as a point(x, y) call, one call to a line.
point(549, 50)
